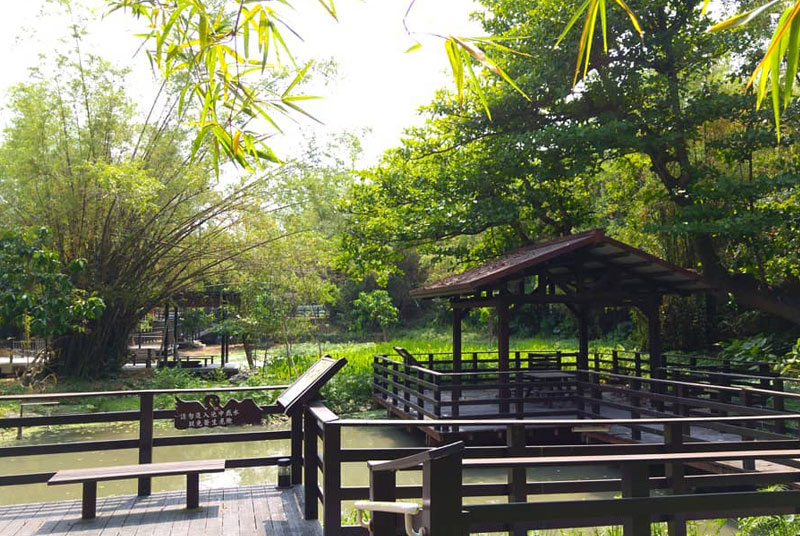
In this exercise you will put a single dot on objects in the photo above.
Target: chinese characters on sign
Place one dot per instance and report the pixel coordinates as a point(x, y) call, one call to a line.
point(210, 413)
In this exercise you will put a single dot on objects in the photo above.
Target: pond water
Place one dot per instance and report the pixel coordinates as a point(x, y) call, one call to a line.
point(353, 474)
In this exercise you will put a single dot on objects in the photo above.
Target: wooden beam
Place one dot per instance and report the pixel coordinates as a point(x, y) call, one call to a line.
point(503, 318)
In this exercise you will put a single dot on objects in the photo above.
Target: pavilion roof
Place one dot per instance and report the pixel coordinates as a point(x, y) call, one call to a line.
point(599, 262)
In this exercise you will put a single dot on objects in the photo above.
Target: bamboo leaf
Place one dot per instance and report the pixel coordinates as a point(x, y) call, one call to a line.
point(764, 66)
point(479, 91)
point(329, 7)
point(604, 25)
point(202, 31)
point(572, 21)
point(456, 65)
point(413, 47)
point(632, 16)
point(297, 79)
point(742, 18)
point(793, 50)
point(236, 138)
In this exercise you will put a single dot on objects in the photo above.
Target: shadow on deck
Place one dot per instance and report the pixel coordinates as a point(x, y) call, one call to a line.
point(245, 511)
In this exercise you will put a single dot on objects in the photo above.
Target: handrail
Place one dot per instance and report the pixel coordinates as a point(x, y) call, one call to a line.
point(88, 394)
point(660, 458)
point(564, 423)
point(416, 459)
point(732, 374)
point(725, 388)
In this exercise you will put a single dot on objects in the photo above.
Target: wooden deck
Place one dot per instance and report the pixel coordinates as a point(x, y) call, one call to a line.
point(245, 511)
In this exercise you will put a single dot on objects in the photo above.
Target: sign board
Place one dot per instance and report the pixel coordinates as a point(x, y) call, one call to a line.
point(211, 414)
point(309, 384)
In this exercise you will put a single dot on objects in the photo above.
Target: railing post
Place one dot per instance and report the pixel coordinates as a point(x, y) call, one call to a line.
point(559, 360)
point(518, 392)
point(517, 476)
point(778, 405)
point(437, 397)
point(725, 381)
point(406, 387)
point(442, 494)
point(635, 483)
point(637, 364)
point(395, 379)
point(764, 370)
point(297, 446)
point(615, 361)
point(596, 393)
point(675, 472)
point(747, 401)
point(145, 438)
point(310, 457)
point(331, 479)
point(149, 363)
point(382, 487)
point(420, 393)
point(475, 366)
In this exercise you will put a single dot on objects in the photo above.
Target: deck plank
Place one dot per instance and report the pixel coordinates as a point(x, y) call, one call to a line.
point(251, 511)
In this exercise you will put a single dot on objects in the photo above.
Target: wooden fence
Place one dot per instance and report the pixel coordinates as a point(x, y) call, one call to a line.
point(674, 451)
point(147, 440)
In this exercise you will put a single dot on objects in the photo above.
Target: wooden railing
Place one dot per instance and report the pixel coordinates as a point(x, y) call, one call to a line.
point(675, 449)
point(425, 392)
point(147, 440)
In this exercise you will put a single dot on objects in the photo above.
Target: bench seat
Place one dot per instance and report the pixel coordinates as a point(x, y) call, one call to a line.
point(90, 477)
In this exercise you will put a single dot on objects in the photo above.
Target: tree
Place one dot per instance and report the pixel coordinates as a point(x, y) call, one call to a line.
point(36, 293)
point(123, 193)
point(670, 107)
point(375, 310)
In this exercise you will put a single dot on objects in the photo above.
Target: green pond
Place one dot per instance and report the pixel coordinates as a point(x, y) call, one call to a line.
point(353, 474)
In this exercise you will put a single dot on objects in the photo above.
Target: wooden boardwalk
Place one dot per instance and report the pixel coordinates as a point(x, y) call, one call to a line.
point(245, 511)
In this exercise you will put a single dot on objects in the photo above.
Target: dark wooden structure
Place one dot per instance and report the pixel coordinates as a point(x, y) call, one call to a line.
point(583, 272)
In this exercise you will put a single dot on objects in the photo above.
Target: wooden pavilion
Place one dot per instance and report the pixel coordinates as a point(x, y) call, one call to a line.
point(583, 272)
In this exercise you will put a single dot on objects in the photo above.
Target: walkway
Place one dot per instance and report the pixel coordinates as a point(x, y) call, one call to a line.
point(245, 511)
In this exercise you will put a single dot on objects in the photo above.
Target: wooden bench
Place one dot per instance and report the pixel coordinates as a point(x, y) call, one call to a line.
point(90, 477)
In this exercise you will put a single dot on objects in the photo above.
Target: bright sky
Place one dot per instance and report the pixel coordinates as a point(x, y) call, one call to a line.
point(380, 86)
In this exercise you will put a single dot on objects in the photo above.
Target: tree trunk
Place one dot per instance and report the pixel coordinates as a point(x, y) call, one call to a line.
point(249, 352)
point(748, 291)
point(99, 352)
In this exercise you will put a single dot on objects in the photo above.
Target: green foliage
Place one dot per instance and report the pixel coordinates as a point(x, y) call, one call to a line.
point(218, 54)
point(374, 310)
point(123, 193)
point(658, 145)
point(788, 525)
point(35, 291)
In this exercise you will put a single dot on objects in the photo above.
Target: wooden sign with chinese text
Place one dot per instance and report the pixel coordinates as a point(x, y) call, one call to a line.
point(308, 385)
point(211, 414)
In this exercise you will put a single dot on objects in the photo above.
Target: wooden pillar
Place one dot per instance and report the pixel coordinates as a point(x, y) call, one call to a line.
point(635, 484)
point(175, 335)
point(145, 439)
point(442, 496)
point(675, 473)
point(332, 479)
point(583, 337)
point(654, 336)
point(165, 338)
point(458, 315)
point(654, 342)
point(517, 476)
point(310, 467)
point(503, 317)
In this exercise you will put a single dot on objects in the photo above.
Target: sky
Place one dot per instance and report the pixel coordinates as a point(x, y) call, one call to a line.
point(377, 92)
